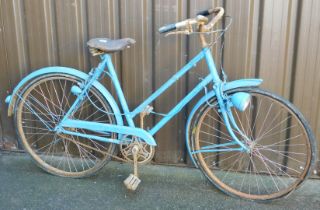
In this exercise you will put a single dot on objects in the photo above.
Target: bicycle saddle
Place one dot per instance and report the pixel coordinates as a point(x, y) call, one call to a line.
point(108, 45)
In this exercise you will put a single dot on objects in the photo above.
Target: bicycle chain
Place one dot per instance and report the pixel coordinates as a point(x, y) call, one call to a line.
point(88, 146)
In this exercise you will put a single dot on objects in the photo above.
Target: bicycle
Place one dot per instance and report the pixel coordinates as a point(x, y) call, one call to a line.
point(247, 142)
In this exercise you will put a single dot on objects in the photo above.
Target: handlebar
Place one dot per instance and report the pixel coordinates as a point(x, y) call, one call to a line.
point(219, 11)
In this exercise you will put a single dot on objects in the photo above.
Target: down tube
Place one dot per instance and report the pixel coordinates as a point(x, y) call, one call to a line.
point(181, 104)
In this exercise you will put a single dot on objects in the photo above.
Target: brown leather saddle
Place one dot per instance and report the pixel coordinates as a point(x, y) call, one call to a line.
point(99, 46)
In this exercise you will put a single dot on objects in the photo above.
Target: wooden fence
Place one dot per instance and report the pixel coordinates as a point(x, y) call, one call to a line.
point(277, 40)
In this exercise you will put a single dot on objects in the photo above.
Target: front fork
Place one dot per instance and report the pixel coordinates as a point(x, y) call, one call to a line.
point(225, 105)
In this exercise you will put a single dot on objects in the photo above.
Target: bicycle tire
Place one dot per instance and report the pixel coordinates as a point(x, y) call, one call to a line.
point(284, 172)
point(80, 148)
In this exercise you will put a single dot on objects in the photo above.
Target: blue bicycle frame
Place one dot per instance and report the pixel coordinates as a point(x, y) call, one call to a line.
point(146, 136)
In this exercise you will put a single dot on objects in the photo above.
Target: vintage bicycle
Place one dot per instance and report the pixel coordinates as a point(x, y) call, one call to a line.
point(248, 142)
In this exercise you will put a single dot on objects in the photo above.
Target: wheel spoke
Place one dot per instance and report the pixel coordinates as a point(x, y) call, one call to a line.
point(279, 155)
point(41, 107)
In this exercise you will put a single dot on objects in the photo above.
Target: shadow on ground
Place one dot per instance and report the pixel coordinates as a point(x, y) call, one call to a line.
point(24, 186)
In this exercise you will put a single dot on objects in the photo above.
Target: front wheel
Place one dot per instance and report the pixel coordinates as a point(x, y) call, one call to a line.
point(282, 147)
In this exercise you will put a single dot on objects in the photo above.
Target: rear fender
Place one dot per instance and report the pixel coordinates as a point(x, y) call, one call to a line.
point(12, 99)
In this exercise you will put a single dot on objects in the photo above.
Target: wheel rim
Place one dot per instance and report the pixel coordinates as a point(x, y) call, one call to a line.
point(41, 107)
point(280, 153)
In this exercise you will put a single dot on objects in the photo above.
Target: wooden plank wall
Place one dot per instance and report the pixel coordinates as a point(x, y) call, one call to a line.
point(275, 40)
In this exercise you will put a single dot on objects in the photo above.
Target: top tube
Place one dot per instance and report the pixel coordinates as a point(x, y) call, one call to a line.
point(170, 82)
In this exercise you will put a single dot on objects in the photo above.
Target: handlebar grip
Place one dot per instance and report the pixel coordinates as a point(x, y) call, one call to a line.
point(207, 12)
point(167, 28)
point(204, 13)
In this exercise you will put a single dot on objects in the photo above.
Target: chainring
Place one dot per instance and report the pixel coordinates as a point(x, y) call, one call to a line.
point(145, 153)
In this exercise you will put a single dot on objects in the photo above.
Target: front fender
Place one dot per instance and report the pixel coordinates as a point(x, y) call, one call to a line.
point(12, 99)
point(227, 86)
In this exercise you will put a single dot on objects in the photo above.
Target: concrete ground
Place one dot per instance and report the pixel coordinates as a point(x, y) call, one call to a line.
point(24, 186)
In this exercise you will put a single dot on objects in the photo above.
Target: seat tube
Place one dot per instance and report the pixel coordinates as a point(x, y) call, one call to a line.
point(119, 91)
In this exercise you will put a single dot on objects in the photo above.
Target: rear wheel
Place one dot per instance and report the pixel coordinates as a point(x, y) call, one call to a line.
point(281, 147)
point(41, 106)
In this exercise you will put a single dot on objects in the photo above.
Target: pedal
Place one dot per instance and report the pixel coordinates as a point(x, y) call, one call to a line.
point(132, 182)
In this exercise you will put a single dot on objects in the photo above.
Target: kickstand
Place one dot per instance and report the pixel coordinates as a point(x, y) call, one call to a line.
point(133, 181)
